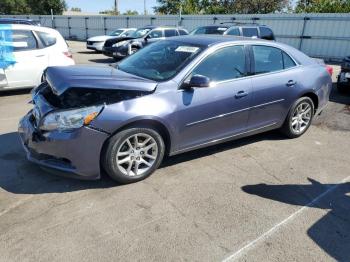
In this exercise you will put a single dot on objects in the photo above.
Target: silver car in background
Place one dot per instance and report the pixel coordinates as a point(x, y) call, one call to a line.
point(97, 42)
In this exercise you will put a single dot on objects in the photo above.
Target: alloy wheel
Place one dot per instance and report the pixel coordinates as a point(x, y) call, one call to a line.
point(137, 154)
point(301, 117)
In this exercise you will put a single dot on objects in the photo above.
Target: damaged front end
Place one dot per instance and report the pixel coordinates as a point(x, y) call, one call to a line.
point(83, 97)
point(57, 132)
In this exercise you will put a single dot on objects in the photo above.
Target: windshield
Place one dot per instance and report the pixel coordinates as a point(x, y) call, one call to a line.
point(160, 61)
point(140, 32)
point(116, 32)
point(210, 30)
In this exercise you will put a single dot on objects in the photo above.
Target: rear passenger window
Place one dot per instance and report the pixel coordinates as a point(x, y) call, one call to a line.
point(288, 61)
point(269, 59)
point(234, 31)
point(250, 31)
point(23, 40)
point(46, 39)
point(170, 32)
point(225, 64)
point(266, 33)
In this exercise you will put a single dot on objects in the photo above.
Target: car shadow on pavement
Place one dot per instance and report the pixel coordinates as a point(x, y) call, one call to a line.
point(19, 176)
point(102, 60)
point(332, 231)
point(15, 92)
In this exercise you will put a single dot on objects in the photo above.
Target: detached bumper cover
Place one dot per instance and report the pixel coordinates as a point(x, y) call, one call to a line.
point(76, 152)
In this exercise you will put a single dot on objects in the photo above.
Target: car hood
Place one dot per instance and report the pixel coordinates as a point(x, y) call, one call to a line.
point(100, 38)
point(95, 77)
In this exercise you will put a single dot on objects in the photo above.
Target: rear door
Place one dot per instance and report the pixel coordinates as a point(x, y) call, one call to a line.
point(30, 60)
point(275, 77)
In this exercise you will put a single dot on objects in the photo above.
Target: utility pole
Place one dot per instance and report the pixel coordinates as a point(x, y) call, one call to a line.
point(116, 7)
point(144, 7)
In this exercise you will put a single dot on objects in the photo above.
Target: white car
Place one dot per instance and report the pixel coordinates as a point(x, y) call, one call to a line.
point(26, 51)
point(97, 42)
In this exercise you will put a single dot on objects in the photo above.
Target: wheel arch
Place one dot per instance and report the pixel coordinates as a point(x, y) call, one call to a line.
point(145, 123)
point(313, 97)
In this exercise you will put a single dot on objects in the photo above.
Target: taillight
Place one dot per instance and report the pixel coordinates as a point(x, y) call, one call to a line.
point(329, 70)
point(68, 54)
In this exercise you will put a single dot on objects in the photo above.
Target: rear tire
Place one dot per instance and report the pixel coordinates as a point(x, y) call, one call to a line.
point(133, 154)
point(299, 118)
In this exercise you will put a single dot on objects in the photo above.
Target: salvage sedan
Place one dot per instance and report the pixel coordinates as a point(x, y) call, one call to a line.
point(170, 97)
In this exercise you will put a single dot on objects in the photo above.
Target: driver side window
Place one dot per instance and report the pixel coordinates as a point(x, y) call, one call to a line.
point(224, 64)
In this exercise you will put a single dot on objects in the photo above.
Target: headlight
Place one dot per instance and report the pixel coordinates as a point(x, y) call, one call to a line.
point(70, 119)
point(120, 43)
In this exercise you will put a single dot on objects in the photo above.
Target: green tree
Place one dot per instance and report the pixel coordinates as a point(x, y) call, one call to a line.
point(131, 12)
point(43, 7)
point(220, 6)
point(14, 7)
point(323, 6)
point(36, 7)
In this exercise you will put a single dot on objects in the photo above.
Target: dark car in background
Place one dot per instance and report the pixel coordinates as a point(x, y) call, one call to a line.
point(237, 29)
point(170, 97)
point(124, 46)
point(343, 84)
point(19, 21)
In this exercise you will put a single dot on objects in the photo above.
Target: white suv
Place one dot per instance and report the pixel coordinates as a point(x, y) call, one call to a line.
point(26, 51)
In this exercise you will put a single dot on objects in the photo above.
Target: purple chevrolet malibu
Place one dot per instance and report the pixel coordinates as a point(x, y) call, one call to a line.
point(170, 97)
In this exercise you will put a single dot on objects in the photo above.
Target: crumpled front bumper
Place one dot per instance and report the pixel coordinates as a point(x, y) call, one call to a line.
point(75, 153)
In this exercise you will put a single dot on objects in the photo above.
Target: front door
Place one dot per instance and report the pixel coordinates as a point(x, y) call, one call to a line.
point(218, 111)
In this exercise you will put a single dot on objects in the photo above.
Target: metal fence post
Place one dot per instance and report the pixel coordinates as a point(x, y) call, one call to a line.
point(127, 22)
point(105, 25)
point(69, 35)
point(303, 32)
point(86, 28)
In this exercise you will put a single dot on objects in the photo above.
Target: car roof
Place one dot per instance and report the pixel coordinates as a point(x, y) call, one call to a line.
point(15, 19)
point(29, 27)
point(18, 20)
point(213, 26)
point(209, 40)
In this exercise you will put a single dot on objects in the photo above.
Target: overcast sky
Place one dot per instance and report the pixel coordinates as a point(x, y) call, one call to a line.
point(100, 5)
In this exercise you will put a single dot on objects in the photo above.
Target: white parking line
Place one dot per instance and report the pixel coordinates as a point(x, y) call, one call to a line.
point(268, 233)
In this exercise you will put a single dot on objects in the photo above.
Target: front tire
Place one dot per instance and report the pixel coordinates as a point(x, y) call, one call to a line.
point(133, 154)
point(299, 118)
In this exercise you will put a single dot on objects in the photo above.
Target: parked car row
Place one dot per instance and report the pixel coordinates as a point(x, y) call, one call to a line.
point(120, 46)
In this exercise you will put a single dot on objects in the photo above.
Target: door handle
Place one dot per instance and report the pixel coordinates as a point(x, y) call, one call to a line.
point(241, 94)
point(39, 55)
point(291, 83)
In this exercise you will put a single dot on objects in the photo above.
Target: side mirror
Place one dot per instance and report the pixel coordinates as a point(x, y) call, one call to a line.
point(198, 81)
